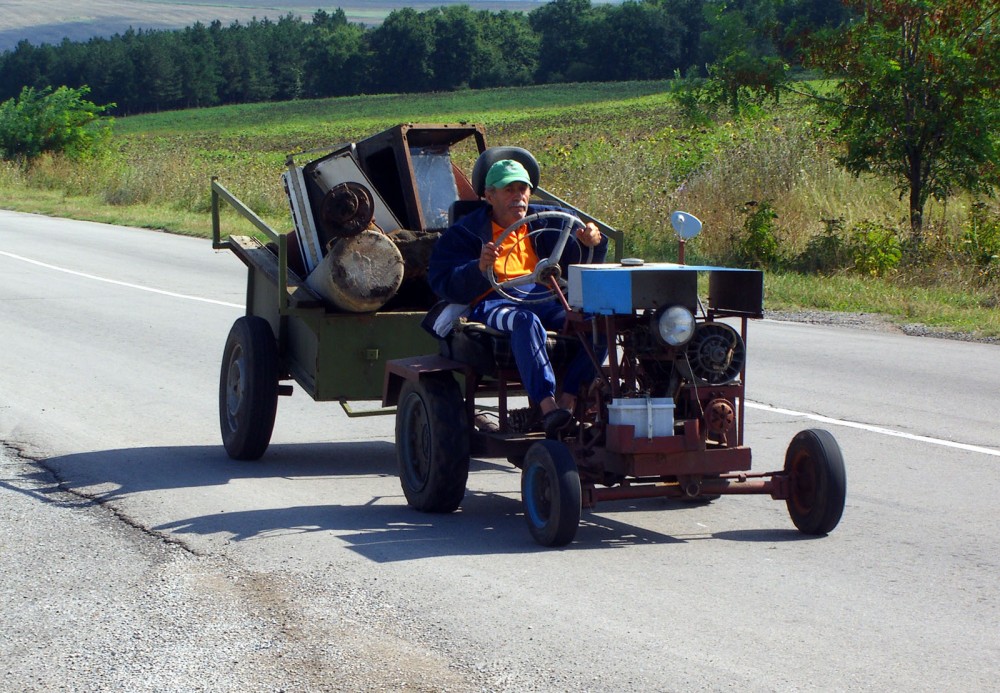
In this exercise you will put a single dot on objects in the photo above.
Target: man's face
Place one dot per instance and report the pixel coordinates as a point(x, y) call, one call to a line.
point(510, 203)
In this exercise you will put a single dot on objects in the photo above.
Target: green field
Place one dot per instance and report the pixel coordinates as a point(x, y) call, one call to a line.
point(626, 153)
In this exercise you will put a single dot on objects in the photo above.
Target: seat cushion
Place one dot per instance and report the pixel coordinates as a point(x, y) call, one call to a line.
point(488, 350)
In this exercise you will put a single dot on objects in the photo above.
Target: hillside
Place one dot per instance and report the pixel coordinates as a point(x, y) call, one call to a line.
point(50, 21)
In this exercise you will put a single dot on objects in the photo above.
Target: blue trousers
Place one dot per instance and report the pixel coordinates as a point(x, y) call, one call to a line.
point(526, 324)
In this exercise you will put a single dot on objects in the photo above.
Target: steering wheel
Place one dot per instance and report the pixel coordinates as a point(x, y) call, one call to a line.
point(547, 267)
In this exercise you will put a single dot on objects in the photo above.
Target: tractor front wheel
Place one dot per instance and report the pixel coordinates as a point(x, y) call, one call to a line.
point(817, 481)
point(551, 493)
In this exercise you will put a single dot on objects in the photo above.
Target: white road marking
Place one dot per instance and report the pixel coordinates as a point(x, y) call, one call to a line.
point(752, 405)
point(140, 287)
point(876, 429)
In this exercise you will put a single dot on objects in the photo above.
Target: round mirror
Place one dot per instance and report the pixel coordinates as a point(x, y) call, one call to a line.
point(686, 225)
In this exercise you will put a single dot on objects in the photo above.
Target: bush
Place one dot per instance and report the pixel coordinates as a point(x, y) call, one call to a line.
point(827, 252)
point(981, 241)
point(757, 243)
point(59, 121)
point(692, 98)
point(875, 248)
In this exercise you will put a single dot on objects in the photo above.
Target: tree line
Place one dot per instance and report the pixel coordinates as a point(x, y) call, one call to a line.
point(441, 49)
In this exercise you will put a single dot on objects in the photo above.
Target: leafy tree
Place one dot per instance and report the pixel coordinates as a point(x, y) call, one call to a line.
point(403, 46)
point(443, 48)
point(457, 46)
point(562, 26)
point(41, 121)
point(284, 41)
point(743, 76)
point(742, 59)
point(797, 20)
point(916, 98)
point(25, 66)
point(337, 62)
point(199, 66)
point(634, 40)
point(509, 50)
point(68, 64)
point(692, 25)
point(155, 59)
point(243, 63)
point(108, 70)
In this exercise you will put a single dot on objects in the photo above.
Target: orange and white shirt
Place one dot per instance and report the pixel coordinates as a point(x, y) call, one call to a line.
point(517, 254)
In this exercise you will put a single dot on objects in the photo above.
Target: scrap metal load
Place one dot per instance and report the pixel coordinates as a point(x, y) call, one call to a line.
point(367, 214)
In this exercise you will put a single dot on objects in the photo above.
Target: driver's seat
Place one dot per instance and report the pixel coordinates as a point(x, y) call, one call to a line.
point(489, 353)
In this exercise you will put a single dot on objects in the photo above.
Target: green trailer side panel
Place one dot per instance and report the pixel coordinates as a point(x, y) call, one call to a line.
point(350, 350)
point(299, 348)
point(262, 296)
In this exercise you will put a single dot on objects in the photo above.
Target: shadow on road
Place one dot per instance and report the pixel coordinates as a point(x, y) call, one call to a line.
point(381, 528)
point(113, 474)
point(486, 524)
point(766, 535)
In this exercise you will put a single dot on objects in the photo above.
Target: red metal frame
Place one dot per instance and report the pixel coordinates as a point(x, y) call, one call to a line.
point(612, 462)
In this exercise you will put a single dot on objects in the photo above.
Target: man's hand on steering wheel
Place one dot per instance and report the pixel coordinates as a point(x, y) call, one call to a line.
point(547, 269)
point(488, 256)
point(589, 234)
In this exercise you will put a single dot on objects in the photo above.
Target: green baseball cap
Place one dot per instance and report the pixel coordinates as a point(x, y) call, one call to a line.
point(505, 172)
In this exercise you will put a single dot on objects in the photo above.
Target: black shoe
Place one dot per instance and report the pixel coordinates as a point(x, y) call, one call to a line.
point(555, 421)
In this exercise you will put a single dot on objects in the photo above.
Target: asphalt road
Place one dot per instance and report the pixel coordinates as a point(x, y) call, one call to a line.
point(112, 338)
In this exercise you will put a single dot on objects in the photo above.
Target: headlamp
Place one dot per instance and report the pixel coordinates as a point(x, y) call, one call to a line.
point(675, 326)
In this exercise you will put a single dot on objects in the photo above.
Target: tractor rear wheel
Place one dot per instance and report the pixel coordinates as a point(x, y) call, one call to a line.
point(432, 443)
point(551, 493)
point(817, 481)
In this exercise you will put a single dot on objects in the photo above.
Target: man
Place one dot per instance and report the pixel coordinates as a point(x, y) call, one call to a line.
point(457, 272)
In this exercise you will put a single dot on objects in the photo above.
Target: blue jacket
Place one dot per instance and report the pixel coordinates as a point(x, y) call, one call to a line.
point(454, 273)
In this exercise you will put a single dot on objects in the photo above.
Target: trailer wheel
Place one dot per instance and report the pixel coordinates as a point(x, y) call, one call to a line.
point(432, 444)
point(550, 492)
point(817, 481)
point(248, 388)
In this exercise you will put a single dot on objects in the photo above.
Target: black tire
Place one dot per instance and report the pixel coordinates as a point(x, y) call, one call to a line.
point(551, 494)
point(432, 444)
point(817, 481)
point(248, 388)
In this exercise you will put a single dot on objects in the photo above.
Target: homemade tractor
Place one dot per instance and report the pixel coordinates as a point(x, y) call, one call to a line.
point(663, 418)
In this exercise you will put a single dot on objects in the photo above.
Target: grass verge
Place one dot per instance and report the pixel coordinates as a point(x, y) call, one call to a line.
point(626, 153)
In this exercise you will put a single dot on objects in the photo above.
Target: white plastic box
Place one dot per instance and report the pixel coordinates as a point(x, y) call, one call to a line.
point(652, 417)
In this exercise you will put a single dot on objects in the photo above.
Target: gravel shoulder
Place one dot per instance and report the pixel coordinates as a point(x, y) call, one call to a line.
point(93, 603)
point(873, 321)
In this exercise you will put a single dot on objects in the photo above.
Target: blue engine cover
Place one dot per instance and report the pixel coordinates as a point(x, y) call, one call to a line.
point(614, 289)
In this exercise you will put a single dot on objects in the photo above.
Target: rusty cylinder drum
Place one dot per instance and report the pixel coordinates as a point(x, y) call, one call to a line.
point(359, 274)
